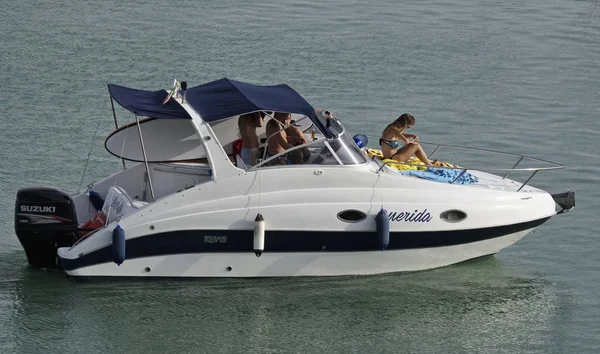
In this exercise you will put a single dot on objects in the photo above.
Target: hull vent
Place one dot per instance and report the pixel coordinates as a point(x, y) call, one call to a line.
point(453, 215)
point(352, 215)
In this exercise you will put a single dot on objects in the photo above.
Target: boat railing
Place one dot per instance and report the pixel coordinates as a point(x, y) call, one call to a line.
point(520, 158)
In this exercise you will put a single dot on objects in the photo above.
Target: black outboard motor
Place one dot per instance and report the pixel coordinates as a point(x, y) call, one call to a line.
point(45, 219)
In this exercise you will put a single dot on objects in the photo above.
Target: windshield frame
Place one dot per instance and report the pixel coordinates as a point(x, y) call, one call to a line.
point(327, 143)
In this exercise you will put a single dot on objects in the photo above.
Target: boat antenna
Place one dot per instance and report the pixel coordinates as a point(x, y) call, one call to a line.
point(91, 147)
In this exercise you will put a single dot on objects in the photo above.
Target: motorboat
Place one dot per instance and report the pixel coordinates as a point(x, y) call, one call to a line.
point(184, 204)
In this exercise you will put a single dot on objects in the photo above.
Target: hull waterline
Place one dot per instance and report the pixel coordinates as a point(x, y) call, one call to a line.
point(299, 264)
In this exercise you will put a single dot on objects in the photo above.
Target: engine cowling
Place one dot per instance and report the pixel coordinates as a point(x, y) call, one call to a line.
point(45, 219)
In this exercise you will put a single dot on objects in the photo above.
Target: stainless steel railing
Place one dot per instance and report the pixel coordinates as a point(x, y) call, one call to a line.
point(515, 167)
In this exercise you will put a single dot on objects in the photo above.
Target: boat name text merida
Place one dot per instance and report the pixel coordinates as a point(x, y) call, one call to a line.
point(417, 216)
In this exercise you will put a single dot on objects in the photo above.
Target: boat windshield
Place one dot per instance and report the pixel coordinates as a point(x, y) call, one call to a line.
point(340, 150)
point(346, 150)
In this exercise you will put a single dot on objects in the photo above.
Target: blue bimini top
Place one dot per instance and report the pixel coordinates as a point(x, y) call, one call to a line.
point(217, 100)
point(147, 103)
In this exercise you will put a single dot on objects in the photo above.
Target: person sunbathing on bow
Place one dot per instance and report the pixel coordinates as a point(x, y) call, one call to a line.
point(394, 136)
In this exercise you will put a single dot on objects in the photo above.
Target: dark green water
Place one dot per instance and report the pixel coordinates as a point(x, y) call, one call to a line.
point(521, 76)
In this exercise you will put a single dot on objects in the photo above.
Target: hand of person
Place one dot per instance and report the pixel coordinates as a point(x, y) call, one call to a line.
point(295, 140)
point(414, 137)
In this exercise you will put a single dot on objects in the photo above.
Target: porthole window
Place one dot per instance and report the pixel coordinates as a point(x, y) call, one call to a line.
point(351, 215)
point(453, 215)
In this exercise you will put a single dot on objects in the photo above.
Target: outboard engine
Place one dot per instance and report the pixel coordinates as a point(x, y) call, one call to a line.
point(45, 219)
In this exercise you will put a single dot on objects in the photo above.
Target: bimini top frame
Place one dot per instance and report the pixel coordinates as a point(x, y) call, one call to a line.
point(210, 102)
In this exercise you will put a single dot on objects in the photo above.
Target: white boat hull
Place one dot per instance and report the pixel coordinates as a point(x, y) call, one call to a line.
point(199, 232)
point(298, 264)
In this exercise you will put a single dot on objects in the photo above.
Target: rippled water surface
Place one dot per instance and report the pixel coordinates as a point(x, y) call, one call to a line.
point(519, 76)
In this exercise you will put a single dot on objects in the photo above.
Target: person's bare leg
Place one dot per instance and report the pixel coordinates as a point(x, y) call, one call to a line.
point(421, 155)
point(405, 152)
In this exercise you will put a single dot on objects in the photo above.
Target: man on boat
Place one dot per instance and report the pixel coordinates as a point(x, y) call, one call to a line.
point(247, 123)
point(279, 141)
point(295, 136)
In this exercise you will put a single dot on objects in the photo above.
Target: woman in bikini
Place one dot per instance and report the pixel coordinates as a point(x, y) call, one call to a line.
point(393, 137)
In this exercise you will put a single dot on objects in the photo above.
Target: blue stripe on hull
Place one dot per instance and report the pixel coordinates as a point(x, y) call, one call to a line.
point(211, 241)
